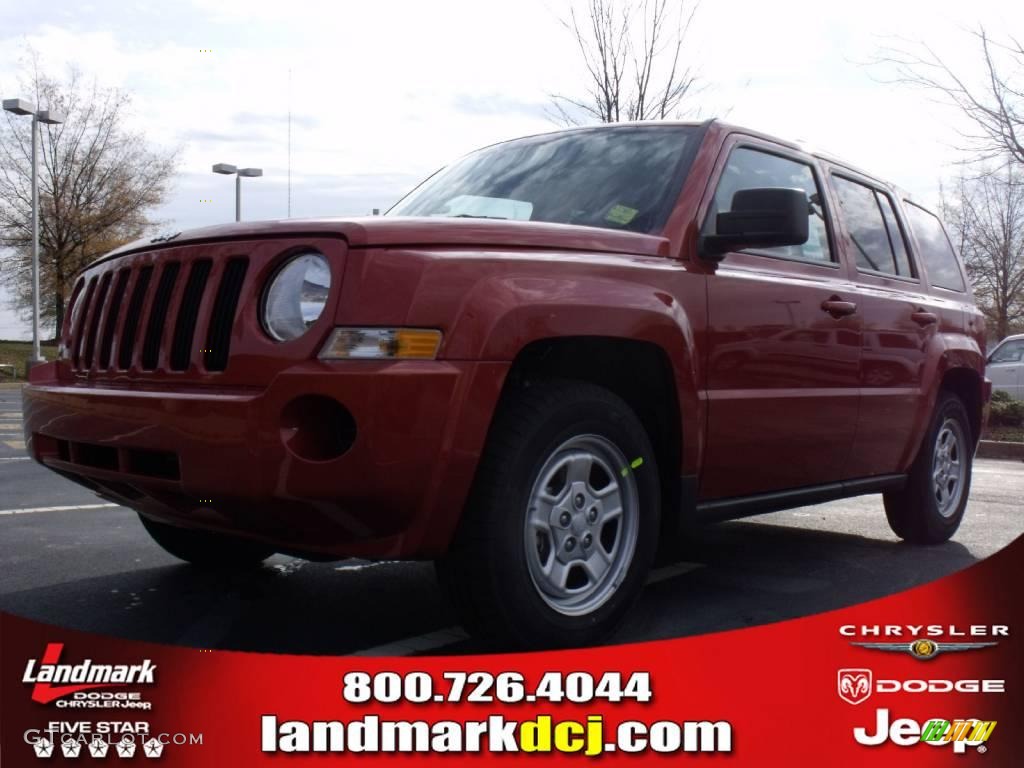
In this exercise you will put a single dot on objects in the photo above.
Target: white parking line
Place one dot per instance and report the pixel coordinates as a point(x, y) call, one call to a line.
point(15, 458)
point(442, 637)
point(31, 510)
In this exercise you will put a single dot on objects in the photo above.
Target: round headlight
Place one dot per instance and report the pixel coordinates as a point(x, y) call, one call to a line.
point(296, 295)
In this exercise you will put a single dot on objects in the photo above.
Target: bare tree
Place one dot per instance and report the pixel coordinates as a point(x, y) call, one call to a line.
point(987, 218)
point(633, 54)
point(993, 102)
point(98, 181)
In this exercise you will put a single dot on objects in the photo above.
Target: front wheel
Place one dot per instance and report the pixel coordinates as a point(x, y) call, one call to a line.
point(562, 525)
point(205, 549)
point(929, 509)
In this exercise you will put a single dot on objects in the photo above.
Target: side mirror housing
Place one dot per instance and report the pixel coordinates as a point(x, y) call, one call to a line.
point(760, 218)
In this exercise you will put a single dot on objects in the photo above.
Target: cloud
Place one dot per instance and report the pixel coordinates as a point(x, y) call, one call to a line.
point(498, 104)
point(384, 93)
point(278, 119)
point(226, 137)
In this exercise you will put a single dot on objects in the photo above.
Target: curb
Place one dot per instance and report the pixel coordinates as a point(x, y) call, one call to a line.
point(11, 385)
point(996, 449)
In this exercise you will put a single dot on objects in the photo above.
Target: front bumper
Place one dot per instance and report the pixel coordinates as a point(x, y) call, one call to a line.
point(217, 459)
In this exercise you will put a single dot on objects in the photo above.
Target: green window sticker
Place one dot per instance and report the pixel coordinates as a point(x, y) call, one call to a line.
point(621, 214)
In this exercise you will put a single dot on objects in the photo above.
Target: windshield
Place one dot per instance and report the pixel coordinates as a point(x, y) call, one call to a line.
point(618, 178)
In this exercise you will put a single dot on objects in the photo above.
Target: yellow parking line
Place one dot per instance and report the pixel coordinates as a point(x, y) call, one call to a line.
point(18, 445)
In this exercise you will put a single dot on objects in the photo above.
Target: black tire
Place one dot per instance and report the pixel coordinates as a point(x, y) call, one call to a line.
point(914, 513)
point(205, 549)
point(486, 573)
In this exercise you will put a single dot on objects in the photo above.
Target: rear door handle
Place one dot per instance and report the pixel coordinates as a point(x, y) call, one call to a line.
point(924, 318)
point(838, 308)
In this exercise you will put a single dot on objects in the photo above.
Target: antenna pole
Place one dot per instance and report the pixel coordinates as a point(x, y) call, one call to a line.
point(289, 142)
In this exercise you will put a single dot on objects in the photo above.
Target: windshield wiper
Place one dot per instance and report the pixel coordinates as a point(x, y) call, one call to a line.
point(471, 216)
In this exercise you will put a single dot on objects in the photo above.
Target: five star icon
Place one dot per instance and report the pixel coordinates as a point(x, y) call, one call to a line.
point(126, 748)
point(43, 748)
point(98, 747)
point(71, 748)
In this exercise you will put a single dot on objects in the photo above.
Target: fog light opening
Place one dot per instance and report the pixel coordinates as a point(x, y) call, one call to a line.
point(317, 428)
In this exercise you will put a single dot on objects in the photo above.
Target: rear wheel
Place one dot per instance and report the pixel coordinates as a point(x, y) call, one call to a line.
point(929, 509)
point(562, 525)
point(205, 549)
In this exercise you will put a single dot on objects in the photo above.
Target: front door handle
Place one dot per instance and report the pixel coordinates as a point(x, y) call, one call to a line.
point(838, 308)
point(921, 317)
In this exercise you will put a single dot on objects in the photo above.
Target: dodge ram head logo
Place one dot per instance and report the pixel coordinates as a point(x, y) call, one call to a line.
point(854, 685)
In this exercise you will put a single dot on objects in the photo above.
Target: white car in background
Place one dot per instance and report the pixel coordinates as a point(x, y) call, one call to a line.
point(1006, 366)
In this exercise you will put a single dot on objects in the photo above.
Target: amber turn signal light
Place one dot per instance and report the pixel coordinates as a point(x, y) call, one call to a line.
point(382, 344)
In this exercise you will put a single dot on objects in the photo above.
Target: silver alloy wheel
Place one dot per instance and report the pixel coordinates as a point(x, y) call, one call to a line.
point(581, 524)
point(948, 467)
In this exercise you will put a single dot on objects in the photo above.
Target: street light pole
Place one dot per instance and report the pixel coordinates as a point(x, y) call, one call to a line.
point(50, 117)
point(36, 351)
point(228, 169)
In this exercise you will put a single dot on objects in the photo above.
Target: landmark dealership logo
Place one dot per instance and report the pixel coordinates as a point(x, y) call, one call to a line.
point(51, 680)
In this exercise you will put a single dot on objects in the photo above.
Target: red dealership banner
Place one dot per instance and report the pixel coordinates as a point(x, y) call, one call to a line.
point(927, 677)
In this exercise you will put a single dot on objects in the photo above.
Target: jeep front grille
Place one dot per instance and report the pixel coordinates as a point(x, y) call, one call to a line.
point(158, 324)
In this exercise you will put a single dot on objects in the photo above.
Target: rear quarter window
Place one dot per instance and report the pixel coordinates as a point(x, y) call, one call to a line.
point(936, 253)
point(873, 235)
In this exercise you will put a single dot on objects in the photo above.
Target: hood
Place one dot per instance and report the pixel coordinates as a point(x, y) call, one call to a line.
point(373, 231)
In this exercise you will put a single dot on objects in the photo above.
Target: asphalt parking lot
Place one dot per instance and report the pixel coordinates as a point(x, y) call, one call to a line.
point(70, 559)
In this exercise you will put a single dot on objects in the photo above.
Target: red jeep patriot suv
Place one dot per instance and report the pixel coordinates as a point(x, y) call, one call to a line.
point(547, 357)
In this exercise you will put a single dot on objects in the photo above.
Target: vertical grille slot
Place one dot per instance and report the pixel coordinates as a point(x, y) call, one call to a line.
point(131, 320)
point(158, 314)
point(113, 313)
point(94, 321)
point(218, 336)
point(188, 314)
point(76, 353)
point(69, 314)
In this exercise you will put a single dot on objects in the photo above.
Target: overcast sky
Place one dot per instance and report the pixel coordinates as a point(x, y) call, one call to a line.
point(385, 92)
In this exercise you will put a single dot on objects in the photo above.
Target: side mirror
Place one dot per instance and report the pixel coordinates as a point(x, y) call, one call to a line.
point(760, 218)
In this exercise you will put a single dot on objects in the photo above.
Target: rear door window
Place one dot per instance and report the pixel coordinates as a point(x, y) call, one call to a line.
point(873, 233)
point(937, 254)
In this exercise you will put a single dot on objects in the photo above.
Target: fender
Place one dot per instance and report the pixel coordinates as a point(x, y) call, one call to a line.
point(503, 314)
point(946, 352)
point(492, 303)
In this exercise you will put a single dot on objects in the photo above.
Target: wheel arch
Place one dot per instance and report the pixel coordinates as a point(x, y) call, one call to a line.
point(639, 372)
point(966, 384)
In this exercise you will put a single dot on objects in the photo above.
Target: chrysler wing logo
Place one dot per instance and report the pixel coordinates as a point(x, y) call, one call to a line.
point(854, 685)
point(924, 649)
